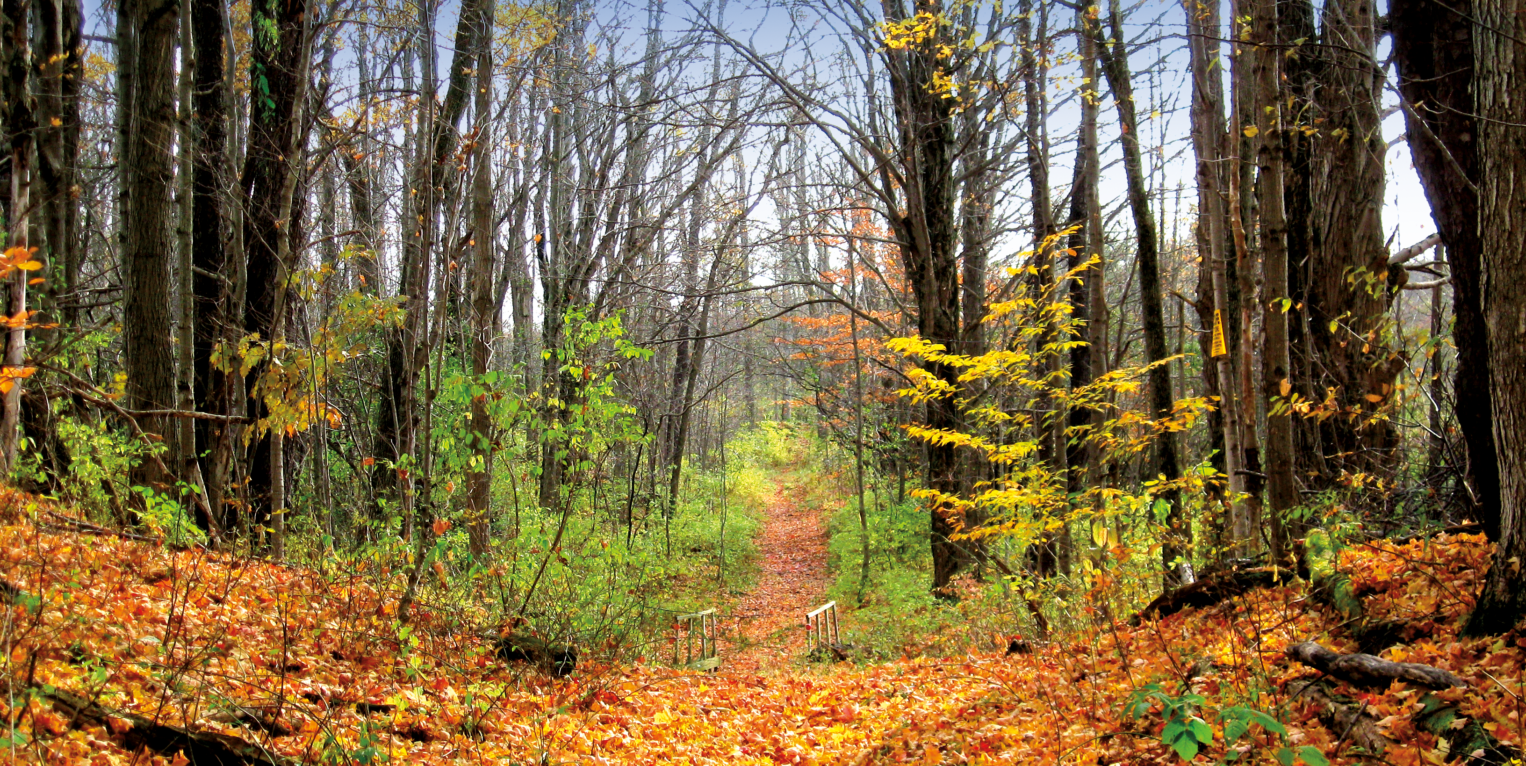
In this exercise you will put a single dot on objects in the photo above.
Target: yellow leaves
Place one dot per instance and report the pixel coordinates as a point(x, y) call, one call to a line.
point(1251, 131)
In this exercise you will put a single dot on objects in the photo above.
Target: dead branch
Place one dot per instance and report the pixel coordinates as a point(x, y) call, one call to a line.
point(1211, 589)
point(1370, 671)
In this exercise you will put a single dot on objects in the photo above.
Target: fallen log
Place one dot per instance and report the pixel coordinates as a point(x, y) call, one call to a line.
point(1369, 671)
point(1211, 589)
point(204, 748)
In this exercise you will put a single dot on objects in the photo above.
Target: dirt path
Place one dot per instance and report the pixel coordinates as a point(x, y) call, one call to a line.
point(769, 631)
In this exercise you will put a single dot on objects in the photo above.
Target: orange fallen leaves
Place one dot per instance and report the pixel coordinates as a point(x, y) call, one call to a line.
point(299, 662)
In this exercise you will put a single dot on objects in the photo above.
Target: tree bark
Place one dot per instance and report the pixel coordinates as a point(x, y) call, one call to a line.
point(1050, 553)
point(484, 306)
point(1215, 312)
point(60, 74)
point(1433, 47)
point(1087, 294)
point(212, 287)
point(19, 124)
point(148, 174)
point(926, 233)
point(278, 73)
point(1177, 539)
point(1498, 84)
point(1349, 286)
point(1282, 492)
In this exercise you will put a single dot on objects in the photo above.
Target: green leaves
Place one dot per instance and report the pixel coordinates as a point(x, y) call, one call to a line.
point(1237, 721)
point(1308, 754)
point(1187, 735)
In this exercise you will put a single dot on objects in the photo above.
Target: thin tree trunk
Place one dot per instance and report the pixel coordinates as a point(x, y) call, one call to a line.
point(1177, 538)
point(484, 306)
point(19, 125)
point(211, 284)
point(281, 61)
point(1208, 141)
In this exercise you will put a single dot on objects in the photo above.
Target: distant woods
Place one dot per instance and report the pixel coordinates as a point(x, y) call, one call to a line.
point(313, 274)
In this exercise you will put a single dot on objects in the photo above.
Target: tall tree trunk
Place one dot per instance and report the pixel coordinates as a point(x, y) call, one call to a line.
point(1499, 80)
point(1049, 554)
point(148, 175)
point(278, 69)
point(211, 283)
point(1433, 46)
point(1085, 244)
point(58, 126)
point(437, 138)
point(19, 125)
point(1215, 312)
point(926, 233)
point(1282, 494)
point(1350, 287)
point(484, 305)
point(1177, 538)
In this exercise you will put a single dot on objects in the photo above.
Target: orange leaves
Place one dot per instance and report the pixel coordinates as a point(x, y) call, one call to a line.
point(18, 259)
point(306, 654)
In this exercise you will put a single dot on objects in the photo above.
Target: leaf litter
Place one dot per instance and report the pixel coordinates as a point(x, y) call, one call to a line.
point(313, 668)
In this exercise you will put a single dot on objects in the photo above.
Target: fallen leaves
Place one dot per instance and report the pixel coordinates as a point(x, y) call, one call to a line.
point(301, 663)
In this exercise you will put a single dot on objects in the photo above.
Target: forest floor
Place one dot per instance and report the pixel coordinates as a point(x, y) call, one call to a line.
point(768, 631)
point(116, 650)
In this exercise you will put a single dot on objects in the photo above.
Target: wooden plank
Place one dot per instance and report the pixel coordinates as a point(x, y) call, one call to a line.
point(821, 609)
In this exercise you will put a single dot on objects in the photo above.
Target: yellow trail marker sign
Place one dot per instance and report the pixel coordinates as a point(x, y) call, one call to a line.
point(1218, 334)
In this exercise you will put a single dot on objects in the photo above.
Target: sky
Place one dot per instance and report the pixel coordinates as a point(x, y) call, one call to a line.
point(767, 23)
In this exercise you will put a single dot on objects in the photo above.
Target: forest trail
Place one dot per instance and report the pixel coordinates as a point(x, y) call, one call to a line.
point(794, 577)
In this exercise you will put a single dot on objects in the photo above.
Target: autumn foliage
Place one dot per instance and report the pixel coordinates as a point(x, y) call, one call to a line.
point(313, 667)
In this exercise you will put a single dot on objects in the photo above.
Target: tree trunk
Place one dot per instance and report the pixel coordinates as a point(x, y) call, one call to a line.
point(1433, 46)
point(214, 389)
point(279, 73)
point(1050, 554)
point(1500, 79)
point(19, 125)
point(436, 140)
point(1215, 312)
point(926, 233)
point(148, 175)
point(1349, 287)
point(484, 305)
point(1282, 494)
point(1176, 545)
point(58, 121)
point(1087, 358)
